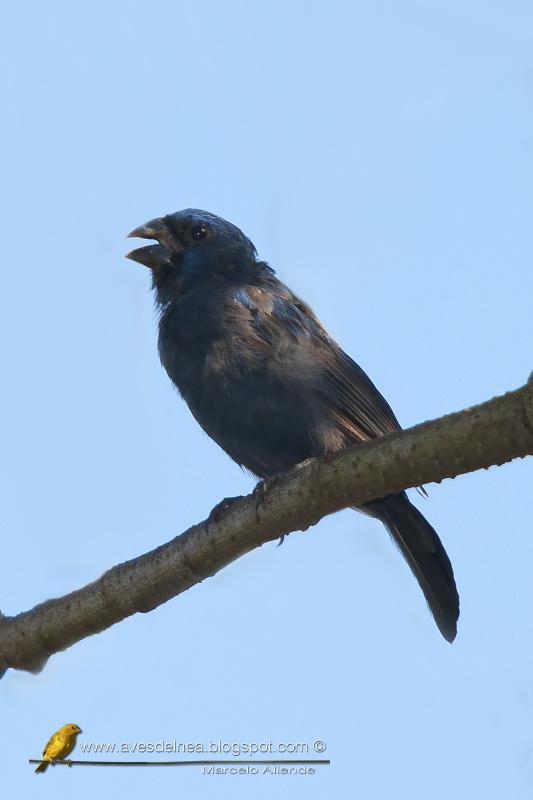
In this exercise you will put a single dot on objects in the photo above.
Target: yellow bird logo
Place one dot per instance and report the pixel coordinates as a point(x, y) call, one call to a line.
point(59, 746)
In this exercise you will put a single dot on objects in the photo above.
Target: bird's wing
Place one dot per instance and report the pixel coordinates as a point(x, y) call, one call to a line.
point(353, 401)
point(358, 407)
point(53, 746)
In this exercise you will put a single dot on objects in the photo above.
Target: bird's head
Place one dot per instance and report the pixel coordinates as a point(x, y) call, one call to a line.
point(71, 729)
point(193, 247)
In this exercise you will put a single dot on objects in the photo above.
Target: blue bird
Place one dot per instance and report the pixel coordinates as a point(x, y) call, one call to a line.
point(264, 379)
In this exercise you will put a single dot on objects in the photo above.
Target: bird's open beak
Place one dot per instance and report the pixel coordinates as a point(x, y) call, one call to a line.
point(153, 255)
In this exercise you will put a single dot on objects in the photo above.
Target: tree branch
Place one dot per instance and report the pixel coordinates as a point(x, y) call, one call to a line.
point(491, 433)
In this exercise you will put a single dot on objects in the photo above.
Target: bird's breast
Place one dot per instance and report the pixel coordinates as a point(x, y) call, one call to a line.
point(254, 398)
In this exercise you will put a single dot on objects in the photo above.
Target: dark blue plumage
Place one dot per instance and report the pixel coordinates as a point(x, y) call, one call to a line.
point(264, 379)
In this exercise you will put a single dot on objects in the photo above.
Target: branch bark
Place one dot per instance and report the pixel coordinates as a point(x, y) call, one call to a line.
point(491, 433)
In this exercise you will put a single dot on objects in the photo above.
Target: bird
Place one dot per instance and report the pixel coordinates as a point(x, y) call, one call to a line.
point(264, 379)
point(60, 745)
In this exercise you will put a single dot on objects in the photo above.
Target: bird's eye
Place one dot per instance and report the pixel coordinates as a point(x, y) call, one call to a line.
point(198, 232)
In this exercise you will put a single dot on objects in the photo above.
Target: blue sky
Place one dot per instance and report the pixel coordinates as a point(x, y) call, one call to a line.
point(380, 156)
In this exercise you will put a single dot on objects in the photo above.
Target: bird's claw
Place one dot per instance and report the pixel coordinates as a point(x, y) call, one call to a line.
point(259, 494)
point(262, 488)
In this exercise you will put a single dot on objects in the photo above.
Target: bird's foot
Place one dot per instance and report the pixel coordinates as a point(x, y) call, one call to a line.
point(260, 491)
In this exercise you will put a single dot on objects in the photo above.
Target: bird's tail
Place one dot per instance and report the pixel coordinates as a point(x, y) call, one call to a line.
point(42, 766)
point(427, 558)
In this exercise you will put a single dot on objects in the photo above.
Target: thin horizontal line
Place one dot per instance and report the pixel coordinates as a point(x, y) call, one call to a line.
point(232, 762)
